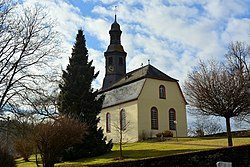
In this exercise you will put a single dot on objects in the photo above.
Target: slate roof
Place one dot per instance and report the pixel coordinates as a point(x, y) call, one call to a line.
point(123, 94)
point(129, 87)
point(147, 71)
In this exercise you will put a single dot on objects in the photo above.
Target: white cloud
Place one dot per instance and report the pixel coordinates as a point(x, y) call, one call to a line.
point(237, 30)
point(68, 20)
point(174, 35)
point(222, 9)
point(96, 27)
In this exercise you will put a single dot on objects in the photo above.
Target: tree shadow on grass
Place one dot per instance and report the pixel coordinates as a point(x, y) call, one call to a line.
point(131, 155)
point(138, 154)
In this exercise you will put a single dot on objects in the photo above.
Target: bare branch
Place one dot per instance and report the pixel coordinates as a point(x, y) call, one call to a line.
point(222, 89)
point(28, 43)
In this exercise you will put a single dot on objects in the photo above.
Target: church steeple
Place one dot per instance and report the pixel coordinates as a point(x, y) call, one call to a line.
point(115, 56)
point(115, 37)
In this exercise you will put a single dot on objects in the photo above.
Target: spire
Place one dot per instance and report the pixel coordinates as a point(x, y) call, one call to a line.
point(115, 27)
point(115, 37)
point(115, 57)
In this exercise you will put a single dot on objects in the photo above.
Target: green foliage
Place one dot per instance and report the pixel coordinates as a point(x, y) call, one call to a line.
point(80, 101)
point(6, 159)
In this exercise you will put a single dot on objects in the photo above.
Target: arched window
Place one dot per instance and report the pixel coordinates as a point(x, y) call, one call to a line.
point(108, 123)
point(172, 119)
point(154, 118)
point(110, 60)
point(122, 119)
point(162, 92)
point(121, 61)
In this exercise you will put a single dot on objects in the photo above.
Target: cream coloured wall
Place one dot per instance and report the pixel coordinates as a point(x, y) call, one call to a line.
point(149, 98)
point(138, 112)
point(131, 132)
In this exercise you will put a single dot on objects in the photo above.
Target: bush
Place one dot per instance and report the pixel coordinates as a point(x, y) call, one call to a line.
point(6, 159)
point(159, 134)
point(53, 137)
point(166, 133)
point(24, 147)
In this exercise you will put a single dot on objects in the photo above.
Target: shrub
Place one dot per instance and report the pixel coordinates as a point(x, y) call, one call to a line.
point(159, 134)
point(6, 159)
point(24, 147)
point(167, 133)
point(53, 137)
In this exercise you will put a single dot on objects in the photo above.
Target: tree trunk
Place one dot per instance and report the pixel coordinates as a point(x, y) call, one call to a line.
point(48, 160)
point(48, 164)
point(229, 134)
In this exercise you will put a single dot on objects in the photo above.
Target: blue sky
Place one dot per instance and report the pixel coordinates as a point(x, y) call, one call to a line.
point(174, 34)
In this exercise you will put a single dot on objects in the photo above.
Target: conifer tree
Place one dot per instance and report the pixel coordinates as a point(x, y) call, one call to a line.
point(79, 100)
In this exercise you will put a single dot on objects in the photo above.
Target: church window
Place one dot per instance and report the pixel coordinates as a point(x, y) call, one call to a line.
point(122, 120)
point(110, 60)
point(172, 119)
point(162, 92)
point(108, 123)
point(120, 61)
point(154, 118)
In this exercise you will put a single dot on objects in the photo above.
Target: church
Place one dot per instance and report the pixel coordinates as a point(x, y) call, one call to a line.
point(141, 103)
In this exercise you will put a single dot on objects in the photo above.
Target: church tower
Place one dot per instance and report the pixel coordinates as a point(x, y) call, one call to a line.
point(115, 57)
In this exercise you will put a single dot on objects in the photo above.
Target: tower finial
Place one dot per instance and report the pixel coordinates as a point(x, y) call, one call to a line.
point(115, 12)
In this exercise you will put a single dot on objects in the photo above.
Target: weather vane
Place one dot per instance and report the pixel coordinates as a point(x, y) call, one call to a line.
point(116, 10)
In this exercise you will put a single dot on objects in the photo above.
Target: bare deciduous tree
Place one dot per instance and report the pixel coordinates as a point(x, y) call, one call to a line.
point(221, 89)
point(54, 136)
point(28, 43)
point(239, 61)
point(122, 127)
point(204, 126)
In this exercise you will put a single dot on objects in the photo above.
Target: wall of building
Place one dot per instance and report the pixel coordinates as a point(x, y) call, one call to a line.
point(149, 98)
point(131, 132)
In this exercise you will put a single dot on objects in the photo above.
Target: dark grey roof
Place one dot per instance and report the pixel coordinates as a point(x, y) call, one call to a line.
point(130, 86)
point(148, 71)
point(123, 94)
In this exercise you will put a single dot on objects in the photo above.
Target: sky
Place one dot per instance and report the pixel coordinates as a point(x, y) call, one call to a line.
point(173, 34)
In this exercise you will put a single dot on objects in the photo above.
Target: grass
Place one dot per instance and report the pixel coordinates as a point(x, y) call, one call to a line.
point(149, 149)
point(21, 163)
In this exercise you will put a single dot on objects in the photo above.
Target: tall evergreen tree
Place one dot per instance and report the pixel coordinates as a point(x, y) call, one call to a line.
point(79, 100)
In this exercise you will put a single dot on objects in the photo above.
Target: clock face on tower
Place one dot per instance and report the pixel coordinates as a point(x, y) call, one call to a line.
point(110, 68)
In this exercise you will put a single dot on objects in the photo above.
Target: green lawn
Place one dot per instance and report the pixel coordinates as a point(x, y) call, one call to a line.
point(148, 149)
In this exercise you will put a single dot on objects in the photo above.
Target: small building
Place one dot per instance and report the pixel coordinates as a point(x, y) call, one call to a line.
point(140, 103)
